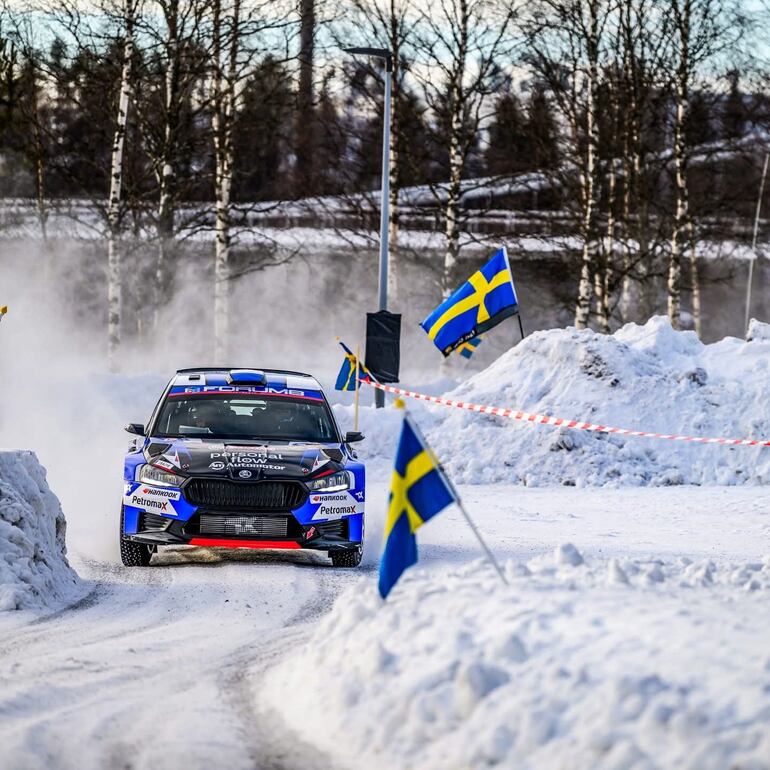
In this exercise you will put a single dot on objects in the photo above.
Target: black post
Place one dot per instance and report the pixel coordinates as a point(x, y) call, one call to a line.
point(521, 328)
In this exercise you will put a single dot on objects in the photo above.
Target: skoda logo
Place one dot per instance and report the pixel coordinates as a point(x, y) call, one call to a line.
point(244, 474)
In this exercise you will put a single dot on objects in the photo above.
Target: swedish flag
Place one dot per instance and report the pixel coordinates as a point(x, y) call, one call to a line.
point(484, 300)
point(346, 379)
point(418, 492)
point(467, 349)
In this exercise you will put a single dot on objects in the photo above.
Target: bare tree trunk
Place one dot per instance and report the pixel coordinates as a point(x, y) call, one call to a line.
point(681, 215)
point(304, 171)
point(589, 172)
point(114, 273)
point(456, 150)
point(695, 278)
point(605, 275)
point(167, 171)
point(225, 74)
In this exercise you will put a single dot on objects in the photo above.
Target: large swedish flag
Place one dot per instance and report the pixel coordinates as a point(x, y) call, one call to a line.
point(484, 300)
point(346, 379)
point(417, 493)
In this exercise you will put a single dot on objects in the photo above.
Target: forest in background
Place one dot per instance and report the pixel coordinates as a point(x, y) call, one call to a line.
point(641, 126)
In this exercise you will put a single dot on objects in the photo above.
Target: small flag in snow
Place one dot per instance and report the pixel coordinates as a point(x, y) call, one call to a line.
point(467, 349)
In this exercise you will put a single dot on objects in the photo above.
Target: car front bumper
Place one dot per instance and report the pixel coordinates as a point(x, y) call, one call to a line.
point(340, 534)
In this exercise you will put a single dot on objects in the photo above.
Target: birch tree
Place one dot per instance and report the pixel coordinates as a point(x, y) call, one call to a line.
point(114, 268)
point(243, 33)
point(226, 34)
point(566, 48)
point(700, 29)
point(304, 171)
point(175, 49)
point(460, 43)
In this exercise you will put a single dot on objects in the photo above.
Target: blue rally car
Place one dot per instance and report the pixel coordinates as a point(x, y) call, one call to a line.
point(242, 458)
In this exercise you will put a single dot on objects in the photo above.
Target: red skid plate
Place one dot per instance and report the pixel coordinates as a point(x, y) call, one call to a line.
point(214, 543)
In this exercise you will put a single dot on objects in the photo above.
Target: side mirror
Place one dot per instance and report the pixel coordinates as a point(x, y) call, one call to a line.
point(136, 428)
point(352, 436)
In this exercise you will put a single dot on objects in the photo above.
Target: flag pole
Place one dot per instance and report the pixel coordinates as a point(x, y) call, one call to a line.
point(440, 468)
point(358, 387)
point(513, 285)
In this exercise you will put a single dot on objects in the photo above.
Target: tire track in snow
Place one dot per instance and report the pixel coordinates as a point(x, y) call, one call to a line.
point(188, 642)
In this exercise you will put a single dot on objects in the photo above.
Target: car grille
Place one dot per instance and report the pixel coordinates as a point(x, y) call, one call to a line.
point(252, 526)
point(259, 496)
point(151, 521)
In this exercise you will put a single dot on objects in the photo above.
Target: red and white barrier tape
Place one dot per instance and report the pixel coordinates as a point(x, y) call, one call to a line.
point(542, 419)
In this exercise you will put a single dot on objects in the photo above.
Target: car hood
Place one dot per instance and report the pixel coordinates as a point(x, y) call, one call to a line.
point(243, 460)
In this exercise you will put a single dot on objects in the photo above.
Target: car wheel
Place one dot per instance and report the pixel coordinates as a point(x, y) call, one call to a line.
point(133, 554)
point(350, 558)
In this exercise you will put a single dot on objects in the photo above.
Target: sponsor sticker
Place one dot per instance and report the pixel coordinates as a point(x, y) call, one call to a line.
point(247, 389)
point(320, 460)
point(173, 459)
point(336, 505)
point(160, 494)
point(247, 456)
point(153, 500)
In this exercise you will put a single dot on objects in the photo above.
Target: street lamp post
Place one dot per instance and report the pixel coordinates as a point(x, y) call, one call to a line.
point(382, 289)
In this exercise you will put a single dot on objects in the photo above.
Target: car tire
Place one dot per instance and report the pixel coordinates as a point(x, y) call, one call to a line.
point(133, 554)
point(349, 558)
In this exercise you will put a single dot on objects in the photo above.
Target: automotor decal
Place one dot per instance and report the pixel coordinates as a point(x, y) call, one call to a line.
point(237, 459)
point(335, 505)
point(152, 499)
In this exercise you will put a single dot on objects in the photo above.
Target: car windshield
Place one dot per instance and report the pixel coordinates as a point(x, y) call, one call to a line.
point(258, 416)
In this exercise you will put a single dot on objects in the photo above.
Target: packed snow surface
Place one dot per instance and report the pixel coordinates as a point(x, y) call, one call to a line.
point(579, 663)
point(648, 378)
point(34, 571)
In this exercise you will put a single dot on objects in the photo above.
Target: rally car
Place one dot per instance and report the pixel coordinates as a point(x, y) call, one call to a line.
point(242, 458)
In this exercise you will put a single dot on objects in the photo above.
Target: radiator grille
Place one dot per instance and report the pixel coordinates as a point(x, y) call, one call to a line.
point(151, 521)
point(260, 496)
point(245, 526)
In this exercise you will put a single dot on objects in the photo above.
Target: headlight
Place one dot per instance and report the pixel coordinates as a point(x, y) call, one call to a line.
point(334, 483)
point(150, 475)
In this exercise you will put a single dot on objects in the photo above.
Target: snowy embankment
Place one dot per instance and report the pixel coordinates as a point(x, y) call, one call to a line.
point(595, 663)
point(34, 572)
point(649, 378)
point(647, 650)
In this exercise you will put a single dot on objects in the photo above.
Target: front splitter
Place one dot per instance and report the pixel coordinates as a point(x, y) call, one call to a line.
point(216, 543)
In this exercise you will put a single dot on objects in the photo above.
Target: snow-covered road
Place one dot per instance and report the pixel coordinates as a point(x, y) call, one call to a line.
point(155, 668)
point(161, 668)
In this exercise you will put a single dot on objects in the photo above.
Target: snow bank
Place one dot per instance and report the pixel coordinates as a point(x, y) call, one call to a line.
point(34, 572)
point(589, 664)
point(647, 377)
point(758, 331)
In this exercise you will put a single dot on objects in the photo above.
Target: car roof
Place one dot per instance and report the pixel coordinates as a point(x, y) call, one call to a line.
point(218, 375)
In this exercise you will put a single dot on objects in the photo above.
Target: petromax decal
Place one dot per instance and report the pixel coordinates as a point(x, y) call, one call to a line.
point(152, 499)
point(335, 505)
